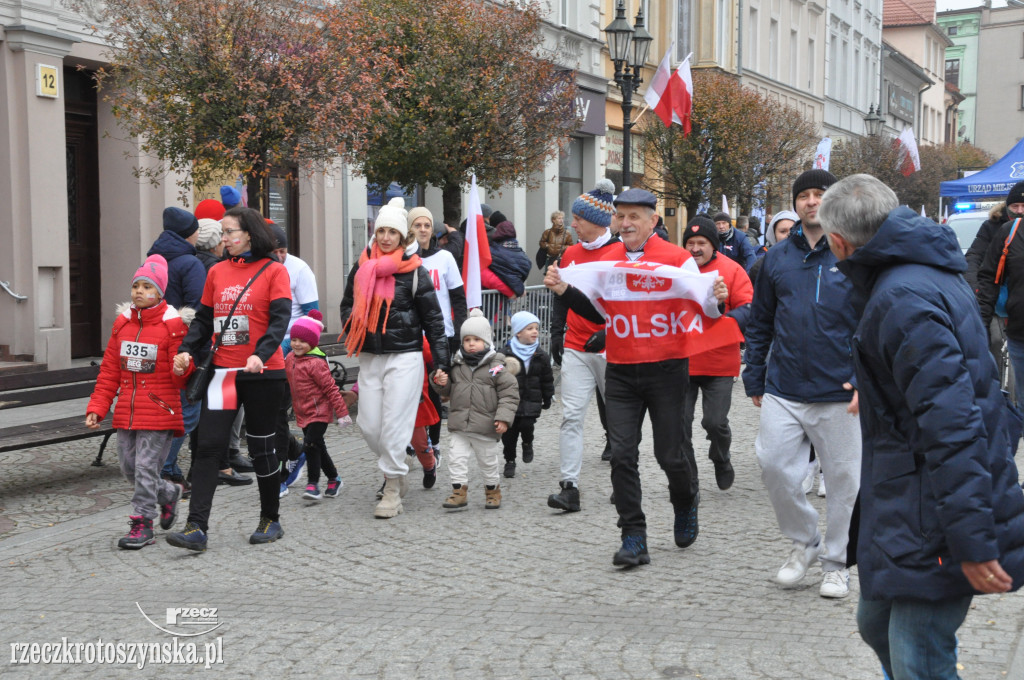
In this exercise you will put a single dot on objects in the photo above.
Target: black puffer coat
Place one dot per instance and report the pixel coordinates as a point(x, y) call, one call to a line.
point(536, 384)
point(409, 318)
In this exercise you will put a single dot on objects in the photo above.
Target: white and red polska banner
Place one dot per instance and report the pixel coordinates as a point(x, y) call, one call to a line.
point(221, 395)
point(654, 311)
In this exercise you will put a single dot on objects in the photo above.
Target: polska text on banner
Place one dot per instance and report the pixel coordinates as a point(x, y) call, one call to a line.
point(646, 303)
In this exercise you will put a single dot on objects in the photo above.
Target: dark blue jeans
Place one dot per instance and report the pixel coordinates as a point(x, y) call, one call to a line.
point(914, 639)
point(660, 388)
point(190, 416)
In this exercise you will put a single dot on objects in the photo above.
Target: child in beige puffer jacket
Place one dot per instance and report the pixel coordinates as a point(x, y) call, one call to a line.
point(484, 396)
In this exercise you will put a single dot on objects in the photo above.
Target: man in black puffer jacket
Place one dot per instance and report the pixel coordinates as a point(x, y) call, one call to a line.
point(536, 387)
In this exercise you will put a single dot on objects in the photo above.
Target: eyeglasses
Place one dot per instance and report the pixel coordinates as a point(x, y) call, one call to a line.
point(232, 231)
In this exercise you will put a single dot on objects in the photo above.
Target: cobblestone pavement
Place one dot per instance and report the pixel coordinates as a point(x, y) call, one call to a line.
point(522, 592)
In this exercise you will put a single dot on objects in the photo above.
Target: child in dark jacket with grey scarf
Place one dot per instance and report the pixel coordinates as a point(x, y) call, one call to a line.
point(536, 387)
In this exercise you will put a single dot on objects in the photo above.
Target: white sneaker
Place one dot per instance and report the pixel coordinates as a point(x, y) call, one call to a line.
point(812, 468)
point(821, 484)
point(800, 558)
point(836, 583)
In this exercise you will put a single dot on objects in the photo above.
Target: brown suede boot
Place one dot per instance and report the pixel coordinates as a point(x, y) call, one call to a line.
point(493, 498)
point(391, 503)
point(457, 499)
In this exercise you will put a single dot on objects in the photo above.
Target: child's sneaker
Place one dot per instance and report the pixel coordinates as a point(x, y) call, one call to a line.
point(457, 499)
point(492, 498)
point(380, 491)
point(169, 511)
point(429, 477)
point(294, 468)
point(140, 535)
point(284, 490)
point(527, 452)
point(190, 538)
point(334, 487)
point(312, 492)
point(510, 469)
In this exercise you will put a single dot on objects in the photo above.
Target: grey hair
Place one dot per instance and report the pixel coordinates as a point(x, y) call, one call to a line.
point(855, 208)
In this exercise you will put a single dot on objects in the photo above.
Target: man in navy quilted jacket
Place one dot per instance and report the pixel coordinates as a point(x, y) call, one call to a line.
point(941, 517)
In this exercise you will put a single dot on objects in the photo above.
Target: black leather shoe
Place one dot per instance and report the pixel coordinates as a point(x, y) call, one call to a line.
point(724, 475)
point(239, 462)
point(233, 478)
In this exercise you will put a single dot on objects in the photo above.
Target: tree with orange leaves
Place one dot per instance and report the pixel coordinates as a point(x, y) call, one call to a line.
point(216, 86)
point(477, 96)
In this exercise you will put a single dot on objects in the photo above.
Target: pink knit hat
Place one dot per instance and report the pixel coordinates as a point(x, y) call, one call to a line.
point(154, 271)
point(308, 328)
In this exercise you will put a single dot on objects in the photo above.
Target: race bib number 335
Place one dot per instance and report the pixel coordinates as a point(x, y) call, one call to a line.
point(233, 332)
point(138, 357)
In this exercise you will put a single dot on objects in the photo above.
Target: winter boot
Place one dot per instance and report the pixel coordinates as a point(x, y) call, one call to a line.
point(391, 502)
point(403, 486)
point(510, 469)
point(492, 497)
point(527, 452)
point(457, 499)
point(567, 499)
point(140, 535)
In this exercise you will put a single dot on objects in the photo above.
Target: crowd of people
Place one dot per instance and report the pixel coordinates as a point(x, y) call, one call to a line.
point(866, 353)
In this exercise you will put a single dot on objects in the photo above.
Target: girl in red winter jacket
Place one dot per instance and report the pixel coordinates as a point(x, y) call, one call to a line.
point(137, 369)
point(317, 401)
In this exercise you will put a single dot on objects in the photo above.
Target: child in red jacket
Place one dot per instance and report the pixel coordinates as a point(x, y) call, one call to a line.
point(137, 368)
point(316, 400)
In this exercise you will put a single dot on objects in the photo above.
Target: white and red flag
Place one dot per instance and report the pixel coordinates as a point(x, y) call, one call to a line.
point(221, 395)
point(654, 311)
point(670, 94)
point(823, 154)
point(909, 159)
point(477, 254)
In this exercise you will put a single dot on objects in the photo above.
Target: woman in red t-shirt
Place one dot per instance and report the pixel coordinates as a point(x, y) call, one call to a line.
point(249, 358)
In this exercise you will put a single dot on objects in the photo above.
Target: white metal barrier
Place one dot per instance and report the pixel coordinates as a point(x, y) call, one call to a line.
point(499, 309)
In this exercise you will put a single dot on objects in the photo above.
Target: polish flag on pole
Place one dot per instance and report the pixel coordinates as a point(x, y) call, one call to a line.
point(670, 94)
point(477, 253)
point(725, 204)
point(221, 394)
point(945, 215)
point(909, 160)
point(823, 154)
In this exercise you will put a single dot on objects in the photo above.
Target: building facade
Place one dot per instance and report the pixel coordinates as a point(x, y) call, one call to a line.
point(853, 56)
point(909, 26)
point(999, 120)
point(902, 83)
point(962, 27)
point(78, 223)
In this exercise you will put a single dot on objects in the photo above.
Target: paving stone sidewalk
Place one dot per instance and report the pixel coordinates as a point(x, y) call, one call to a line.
point(521, 592)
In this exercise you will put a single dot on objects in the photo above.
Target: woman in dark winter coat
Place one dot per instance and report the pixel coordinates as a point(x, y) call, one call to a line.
point(536, 387)
point(388, 305)
point(508, 261)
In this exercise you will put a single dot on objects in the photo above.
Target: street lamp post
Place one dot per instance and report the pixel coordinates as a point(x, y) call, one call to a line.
point(628, 47)
point(873, 122)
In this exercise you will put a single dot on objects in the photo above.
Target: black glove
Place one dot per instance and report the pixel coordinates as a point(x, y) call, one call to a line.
point(546, 404)
point(556, 349)
point(595, 343)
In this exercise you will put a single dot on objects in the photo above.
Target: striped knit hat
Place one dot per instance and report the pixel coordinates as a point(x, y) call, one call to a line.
point(308, 328)
point(596, 206)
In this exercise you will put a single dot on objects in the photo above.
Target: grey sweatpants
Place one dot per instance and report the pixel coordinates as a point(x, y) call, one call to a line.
point(782, 454)
point(142, 454)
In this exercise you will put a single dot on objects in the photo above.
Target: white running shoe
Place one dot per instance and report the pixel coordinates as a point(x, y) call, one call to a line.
point(795, 568)
point(821, 484)
point(835, 584)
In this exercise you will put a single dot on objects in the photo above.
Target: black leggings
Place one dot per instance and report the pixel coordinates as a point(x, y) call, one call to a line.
point(262, 399)
point(316, 453)
point(520, 425)
point(434, 431)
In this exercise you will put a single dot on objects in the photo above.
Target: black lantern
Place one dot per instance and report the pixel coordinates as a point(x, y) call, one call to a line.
point(629, 64)
point(873, 122)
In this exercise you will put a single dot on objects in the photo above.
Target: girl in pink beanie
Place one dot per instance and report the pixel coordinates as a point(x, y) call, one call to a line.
point(317, 401)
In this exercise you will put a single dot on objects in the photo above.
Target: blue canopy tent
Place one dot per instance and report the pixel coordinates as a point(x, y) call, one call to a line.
point(991, 183)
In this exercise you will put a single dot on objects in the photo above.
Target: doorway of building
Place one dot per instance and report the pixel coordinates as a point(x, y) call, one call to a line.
point(81, 132)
